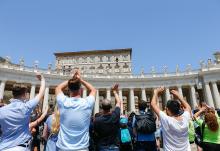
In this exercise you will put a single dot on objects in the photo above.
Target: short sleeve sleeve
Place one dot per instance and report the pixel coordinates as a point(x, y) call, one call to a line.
point(164, 120)
point(91, 101)
point(47, 121)
point(133, 121)
point(186, 115)
point(60, 99)
point(199, 122)
point(31, 104)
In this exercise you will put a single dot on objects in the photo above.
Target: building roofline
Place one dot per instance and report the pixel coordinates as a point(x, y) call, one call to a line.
point(217, 53)
point(58, 54)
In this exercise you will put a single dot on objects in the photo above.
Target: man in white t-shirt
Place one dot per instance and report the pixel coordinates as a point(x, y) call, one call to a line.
point(174, 122)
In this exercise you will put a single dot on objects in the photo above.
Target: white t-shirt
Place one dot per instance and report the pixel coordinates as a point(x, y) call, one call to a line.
point(175, 133)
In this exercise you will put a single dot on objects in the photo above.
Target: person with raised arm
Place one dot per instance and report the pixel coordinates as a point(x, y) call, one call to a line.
point(51, 130)
point(75, 113)
point(174, 122)
point(15, 118)
point(210, 128)
point(106, 125)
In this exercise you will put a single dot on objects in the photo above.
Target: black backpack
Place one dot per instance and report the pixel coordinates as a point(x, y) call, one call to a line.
point(146, 123)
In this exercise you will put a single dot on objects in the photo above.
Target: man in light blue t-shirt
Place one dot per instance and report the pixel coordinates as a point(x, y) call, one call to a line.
point(15, 118)
point(75, 114)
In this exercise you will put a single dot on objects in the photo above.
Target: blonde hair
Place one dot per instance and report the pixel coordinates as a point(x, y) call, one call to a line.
point(55, 121)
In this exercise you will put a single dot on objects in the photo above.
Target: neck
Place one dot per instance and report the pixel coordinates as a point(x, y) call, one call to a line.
point(106, 111)
point(75, 94)
point(20, 98)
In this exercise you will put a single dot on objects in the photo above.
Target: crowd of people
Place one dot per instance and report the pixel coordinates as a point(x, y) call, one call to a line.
point(71, 125)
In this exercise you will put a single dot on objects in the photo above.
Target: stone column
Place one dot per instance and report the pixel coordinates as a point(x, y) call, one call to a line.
point(96, 108)
point(32, 93)
point(131, 100)
point(2, 89)
point(167, 94)
point(120, 94)
point(84, 92)
point(46, 98)
point(121, 98)
point(193, 99)
point(216, 95)
point(180, 90)
point(143, 94)
point(208, 94)
point(108, 96)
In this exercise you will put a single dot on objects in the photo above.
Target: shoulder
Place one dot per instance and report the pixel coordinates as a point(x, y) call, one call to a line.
point(90, 98)
point(162, 115)
point(186, 115)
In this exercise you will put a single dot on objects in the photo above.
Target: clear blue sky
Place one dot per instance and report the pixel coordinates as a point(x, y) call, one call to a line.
point(160, 32)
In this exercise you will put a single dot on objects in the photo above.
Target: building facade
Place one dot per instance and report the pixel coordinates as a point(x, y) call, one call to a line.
point(105, 67)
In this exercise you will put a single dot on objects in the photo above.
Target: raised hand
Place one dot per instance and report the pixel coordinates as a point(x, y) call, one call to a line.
point(77, 75)
point(115, 88)
point(158, 90)
point(39, 76)
point(175, 93)
point(204, 108)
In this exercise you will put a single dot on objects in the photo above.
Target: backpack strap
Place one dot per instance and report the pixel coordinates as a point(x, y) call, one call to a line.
point(140, 114)
point(203, 127)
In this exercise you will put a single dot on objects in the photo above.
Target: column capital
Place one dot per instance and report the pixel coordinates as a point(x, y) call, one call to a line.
point(3, 81)
point(179, 86)
point(192, 85)
point(33, 84)
point(120, 89)
point(206, 82)
point(213, 82)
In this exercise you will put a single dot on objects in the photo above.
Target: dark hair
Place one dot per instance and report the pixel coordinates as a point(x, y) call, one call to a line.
point(74, 85)
point(18, 90)
point(174, 107)
point(97, 114)
point(106, 105)
point(142, 105)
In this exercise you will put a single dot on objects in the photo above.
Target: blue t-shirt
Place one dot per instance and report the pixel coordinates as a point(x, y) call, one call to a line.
point(49, 122)
point(75, 115)
point(14, 121)
point(52, 139)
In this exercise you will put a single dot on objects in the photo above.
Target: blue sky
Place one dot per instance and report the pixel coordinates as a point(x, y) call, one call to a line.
point(160, 32)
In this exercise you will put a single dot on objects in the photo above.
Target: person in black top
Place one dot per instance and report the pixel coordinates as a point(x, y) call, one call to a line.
point(106, 126)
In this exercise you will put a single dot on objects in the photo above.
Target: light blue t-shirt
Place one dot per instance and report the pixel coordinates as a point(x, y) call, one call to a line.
point(75, 115)
point(49, 122)
point(52, 139)
point(14, 121)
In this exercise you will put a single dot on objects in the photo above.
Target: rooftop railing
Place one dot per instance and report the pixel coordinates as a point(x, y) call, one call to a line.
point(98, 74)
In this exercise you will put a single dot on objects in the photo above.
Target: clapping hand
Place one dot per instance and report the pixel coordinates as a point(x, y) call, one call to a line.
point(39, 76)
point(158, 90)
point(175, 94)
point(77, 75)
point(115, 88)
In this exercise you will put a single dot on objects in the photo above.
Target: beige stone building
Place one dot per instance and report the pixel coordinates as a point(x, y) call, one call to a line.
point(103, 68)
